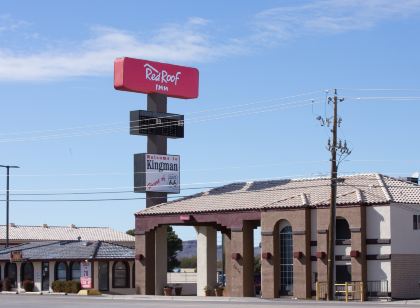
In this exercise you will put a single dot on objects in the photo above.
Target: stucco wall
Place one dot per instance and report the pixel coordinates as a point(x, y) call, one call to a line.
point(378, 222)
point(405, 247)
point(405, 240)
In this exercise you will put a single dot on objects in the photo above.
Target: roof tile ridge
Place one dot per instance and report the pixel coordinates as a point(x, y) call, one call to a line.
point(95, 252)
point(359, 195)
point(305, 201)
point(382, 184)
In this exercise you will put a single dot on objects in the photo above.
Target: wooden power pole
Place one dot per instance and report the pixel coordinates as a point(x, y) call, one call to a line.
point(331, 228)
point(335, 146)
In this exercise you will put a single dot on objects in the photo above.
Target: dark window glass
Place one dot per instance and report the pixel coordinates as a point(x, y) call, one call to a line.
point(286, 261)
point(75, 271)
point(415, 224)
point(27, 271)
point(120, 275)
point(61, 271)
point(343, 229)
point(133, 276)
point(103, 276)
point(10, 272)
point(343, 273)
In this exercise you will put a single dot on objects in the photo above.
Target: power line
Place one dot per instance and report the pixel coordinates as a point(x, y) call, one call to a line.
point(327, 184)
point(184, 170)
point(198, 120)
point(197, 112)
point(126, 189)
point(391, 98)
point(379, 89)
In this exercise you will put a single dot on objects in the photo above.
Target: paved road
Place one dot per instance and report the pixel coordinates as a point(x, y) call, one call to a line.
point(38, 301)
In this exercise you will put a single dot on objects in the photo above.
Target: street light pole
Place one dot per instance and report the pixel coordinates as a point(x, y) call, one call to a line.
point(7, 200)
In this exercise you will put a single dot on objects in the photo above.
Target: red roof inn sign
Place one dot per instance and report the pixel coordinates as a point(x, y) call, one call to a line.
point(148, 77)
point(155, 172)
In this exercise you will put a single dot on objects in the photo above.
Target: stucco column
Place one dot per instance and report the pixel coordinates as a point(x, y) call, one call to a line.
point(242, 263)
point(52, 274)
point(228, 262)
point(18, 278)
point(322, 243)
point(358, 243)
point(145, 263)
point(206, 258)
point(37, 276)
point(161, 258)
point(302, 265)
point(270, 263)
point(96, 275)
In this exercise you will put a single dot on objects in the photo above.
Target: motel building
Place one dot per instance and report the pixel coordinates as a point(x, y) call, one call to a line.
point(377, 241)
point(111, 266)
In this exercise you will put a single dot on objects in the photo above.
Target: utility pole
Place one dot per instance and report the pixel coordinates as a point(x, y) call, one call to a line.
point(331, 227)
point(333, 147)
point(7, 201)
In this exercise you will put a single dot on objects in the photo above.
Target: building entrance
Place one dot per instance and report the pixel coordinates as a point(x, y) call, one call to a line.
point(45, 276)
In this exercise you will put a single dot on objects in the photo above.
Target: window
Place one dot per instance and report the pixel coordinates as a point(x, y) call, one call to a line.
point(75, 271)
point(343, 273)
point(27, 271)
point(343, 229)
point(10, 272)
point(120, 275)
point(286, 261)
point(416, 222)
point(61, 271)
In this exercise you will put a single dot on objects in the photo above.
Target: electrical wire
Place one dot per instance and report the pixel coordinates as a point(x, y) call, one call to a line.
point(184, 170)
point(86, 191)
point(225, 193)
point(199, 120)
point(197, 112)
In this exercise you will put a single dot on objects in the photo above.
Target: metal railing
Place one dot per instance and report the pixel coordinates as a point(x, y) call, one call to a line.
point(354, 290)
point(377, 289)
point(346, 291)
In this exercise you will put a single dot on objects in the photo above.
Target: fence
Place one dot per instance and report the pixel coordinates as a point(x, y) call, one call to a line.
point(353, 290)
point(377, 289)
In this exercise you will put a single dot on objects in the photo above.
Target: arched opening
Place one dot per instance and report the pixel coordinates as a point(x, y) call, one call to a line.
point(120, 275)
point(286, 258)
point(342, 229)
point(27, 271)
point(60, 271)
point(75, 271)
point(10, 272)
point(342, 240)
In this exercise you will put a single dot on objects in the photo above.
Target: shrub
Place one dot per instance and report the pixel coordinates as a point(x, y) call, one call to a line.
point(72, 286)
point(28, 285)
point(58, 286)
point(7, 284)
point(62, 286)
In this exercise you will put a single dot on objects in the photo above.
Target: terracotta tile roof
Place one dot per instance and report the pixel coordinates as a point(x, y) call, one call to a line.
point(63, 233)
point(369, 188)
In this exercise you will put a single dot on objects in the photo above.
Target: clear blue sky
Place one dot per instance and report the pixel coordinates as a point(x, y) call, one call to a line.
point(56, 72)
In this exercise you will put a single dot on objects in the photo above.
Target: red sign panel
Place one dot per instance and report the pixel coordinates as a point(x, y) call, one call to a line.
point(147, 77)
point(86, 282)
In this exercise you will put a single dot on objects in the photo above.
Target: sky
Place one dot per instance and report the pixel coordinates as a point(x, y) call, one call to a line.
point(266, 69)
